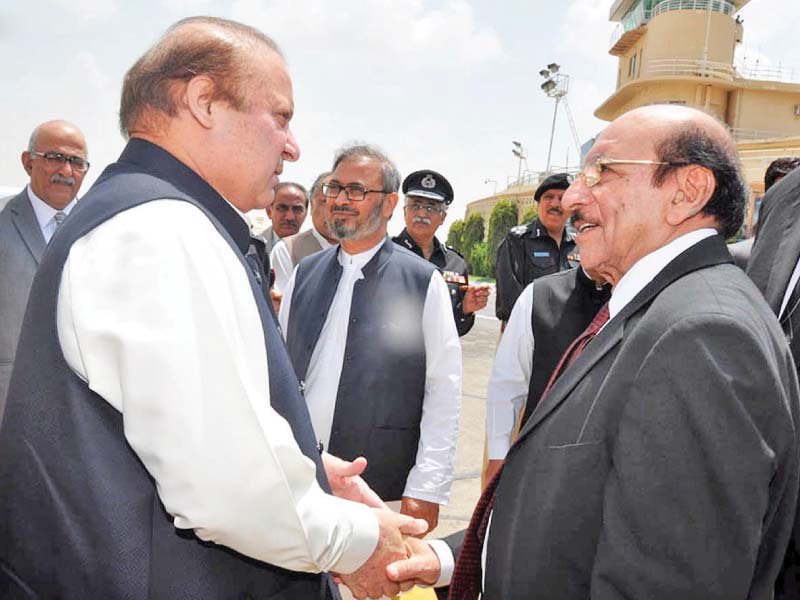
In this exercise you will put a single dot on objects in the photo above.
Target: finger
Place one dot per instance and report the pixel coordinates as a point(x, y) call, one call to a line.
point(404, 570)
point(343, 468)
point(411, 526)
point(368, 496)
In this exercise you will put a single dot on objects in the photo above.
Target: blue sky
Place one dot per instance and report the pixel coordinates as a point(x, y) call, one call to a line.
point(443, 84)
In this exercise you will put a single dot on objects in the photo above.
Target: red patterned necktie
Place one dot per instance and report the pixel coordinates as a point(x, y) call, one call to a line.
point(466, 581)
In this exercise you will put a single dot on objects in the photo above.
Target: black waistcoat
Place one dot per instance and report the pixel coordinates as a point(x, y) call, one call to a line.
point(382, 385)
point(80, 516)
point(563, 306)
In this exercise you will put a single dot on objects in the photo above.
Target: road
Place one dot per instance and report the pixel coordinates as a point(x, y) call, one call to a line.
point(478, 348)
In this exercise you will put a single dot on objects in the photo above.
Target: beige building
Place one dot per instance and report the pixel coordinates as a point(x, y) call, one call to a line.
point(682, 52)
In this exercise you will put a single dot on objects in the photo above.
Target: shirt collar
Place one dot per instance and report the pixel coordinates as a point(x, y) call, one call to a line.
point(650, 265)
point(360, 259)
point(43, 211)
point(320, 238)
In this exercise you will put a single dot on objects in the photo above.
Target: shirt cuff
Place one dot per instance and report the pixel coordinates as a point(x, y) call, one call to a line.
point(497, 448)
point(356, 528)
point(447, 561)
point(441, 498)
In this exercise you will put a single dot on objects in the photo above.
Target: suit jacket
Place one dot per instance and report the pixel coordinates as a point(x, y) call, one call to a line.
point(21, 247)
point(740, 251)
point(664, 462)
point(266, 237)
point(301, 245)
point(772, 261)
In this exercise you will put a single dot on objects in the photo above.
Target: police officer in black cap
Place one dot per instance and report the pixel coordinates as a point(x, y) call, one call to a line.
point(531, 251)
point(427, 196)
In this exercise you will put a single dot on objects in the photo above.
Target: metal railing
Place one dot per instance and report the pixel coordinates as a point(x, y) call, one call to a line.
point(750, 70)
point(633, 20)
point(680, 67)
point(719, 6)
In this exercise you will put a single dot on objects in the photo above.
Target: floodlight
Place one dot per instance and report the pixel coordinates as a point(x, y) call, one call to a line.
point(544, 73)
point(553, 68)
point(548, 85)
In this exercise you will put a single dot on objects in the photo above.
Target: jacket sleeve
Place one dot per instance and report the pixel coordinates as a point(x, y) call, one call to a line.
point(508, 286)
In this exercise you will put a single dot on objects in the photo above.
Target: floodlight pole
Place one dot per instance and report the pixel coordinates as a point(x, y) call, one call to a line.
point(552, 133)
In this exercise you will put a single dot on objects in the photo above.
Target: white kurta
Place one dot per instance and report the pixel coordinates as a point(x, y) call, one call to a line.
point(432, 475)
point(156, 314)
point(281, 260)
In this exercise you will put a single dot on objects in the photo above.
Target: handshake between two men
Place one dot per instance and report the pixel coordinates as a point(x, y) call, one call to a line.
point(400, 560)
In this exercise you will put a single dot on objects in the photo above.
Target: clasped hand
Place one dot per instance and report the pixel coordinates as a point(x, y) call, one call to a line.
point(399, 561)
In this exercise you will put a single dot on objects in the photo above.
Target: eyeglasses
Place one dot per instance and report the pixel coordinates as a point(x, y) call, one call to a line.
point(354, 192)
point(591, 172)
point(428, 208)
point(56, 158)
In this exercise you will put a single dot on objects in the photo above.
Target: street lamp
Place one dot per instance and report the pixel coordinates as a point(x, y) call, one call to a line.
point(519, 152)
point(494, 181)
point(556, 86)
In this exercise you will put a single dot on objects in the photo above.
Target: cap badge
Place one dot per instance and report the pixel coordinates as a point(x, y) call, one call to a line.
point(428, 182)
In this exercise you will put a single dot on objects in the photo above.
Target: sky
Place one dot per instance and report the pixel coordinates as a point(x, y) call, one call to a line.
point(439, 84)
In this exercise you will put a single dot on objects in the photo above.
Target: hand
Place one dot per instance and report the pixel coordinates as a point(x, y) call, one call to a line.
point(421, 510)
point(492, 468)
point(422, 566)
point(345, 480)
point(475, 298)
point(370, 580)
point(276, 298)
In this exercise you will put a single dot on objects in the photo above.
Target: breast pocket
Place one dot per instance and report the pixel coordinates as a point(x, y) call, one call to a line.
point(543, 263)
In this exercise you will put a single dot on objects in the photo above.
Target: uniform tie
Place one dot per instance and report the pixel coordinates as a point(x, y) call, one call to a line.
point(466, 582)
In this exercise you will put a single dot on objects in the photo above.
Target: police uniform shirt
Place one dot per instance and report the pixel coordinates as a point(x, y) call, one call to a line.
point(453, 268)
point(527, 253)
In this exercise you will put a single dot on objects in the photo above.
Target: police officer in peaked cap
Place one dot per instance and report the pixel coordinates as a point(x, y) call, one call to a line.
point(427, 196)
point(540, 248)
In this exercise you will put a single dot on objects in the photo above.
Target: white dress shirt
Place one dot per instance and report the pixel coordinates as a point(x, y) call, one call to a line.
point(45, 214)
point(511, 376)
point(280, 259)
point(432, 475)
point(156, 314)
point(633, 282)
point(790, 288)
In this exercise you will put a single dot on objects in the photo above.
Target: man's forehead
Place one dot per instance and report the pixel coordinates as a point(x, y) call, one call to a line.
point(359, 167)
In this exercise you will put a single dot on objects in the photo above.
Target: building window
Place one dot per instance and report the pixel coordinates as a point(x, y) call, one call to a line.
point(632, 66)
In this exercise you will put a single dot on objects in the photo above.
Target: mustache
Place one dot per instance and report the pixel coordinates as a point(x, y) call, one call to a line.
point(423, 220)
point(70, 181)
point(556, 211)
point(575, 217)
point(344, 209)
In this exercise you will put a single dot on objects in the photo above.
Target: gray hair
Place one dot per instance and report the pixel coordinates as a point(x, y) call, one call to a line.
point(390, 176)
point(315, 187)
point(190, 47)
point(297, 186)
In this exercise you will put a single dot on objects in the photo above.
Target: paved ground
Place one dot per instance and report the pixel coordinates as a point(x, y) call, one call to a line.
point(478, 348)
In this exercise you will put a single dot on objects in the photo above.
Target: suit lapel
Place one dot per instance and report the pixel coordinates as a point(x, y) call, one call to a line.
point(24, 220)
point(777, 246)
point(708, 252)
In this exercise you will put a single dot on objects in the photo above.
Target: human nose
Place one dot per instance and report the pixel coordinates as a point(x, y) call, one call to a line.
point(291, 151)
point(577, 194)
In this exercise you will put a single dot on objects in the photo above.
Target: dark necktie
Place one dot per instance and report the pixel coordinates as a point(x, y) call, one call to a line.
point(790, 321)
point(466, 582)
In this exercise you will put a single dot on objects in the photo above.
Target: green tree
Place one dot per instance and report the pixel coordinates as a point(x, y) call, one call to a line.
point(481, 265)
point(472, 234)
point(503, 218)
point(529, 215)
point(454, 235)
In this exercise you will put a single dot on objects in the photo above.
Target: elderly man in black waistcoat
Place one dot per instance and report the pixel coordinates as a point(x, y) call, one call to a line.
point(166, 451)
point(370, 330)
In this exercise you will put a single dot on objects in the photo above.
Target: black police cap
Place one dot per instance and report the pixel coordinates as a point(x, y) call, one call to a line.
point(557, 181)
point(428, 184)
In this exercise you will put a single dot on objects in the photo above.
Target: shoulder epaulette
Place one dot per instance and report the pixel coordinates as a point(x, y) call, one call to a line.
point(519, 230)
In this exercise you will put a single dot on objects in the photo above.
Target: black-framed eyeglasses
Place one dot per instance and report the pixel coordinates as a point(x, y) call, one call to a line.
point(428, 208)
point(354, 191)
point(56, 158)
point(592, 171)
